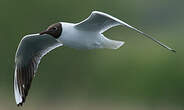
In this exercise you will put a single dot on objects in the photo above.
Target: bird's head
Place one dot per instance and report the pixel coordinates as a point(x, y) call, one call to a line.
point(54, 30)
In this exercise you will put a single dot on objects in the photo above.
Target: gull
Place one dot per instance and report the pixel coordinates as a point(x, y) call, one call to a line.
point(87, 34)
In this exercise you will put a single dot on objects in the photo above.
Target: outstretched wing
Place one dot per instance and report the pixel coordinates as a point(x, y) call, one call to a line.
point(100, 22)
point(29, 53)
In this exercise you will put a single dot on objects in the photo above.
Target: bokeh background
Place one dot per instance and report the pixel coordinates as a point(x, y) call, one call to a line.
point(138, 76)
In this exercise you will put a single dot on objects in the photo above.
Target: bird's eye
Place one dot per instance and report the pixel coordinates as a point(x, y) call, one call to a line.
point(54, 28)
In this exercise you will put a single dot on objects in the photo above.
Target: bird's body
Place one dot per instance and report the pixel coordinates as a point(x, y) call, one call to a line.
point(81, 39)
point(87, 34)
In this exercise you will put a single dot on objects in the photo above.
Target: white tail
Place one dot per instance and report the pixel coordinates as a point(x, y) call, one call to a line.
point(112, 44)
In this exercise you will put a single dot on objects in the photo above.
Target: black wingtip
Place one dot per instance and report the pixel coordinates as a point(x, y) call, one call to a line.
point(173, 50)
point(19, 105)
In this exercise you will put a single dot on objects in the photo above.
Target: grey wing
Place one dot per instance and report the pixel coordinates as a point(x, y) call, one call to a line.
point(29, 53)
point(100, 22)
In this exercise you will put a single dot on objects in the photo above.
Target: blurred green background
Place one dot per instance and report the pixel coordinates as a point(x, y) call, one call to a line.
point(138, 76)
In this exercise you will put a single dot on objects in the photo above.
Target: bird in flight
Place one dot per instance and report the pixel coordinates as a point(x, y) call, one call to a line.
point(87, 34)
